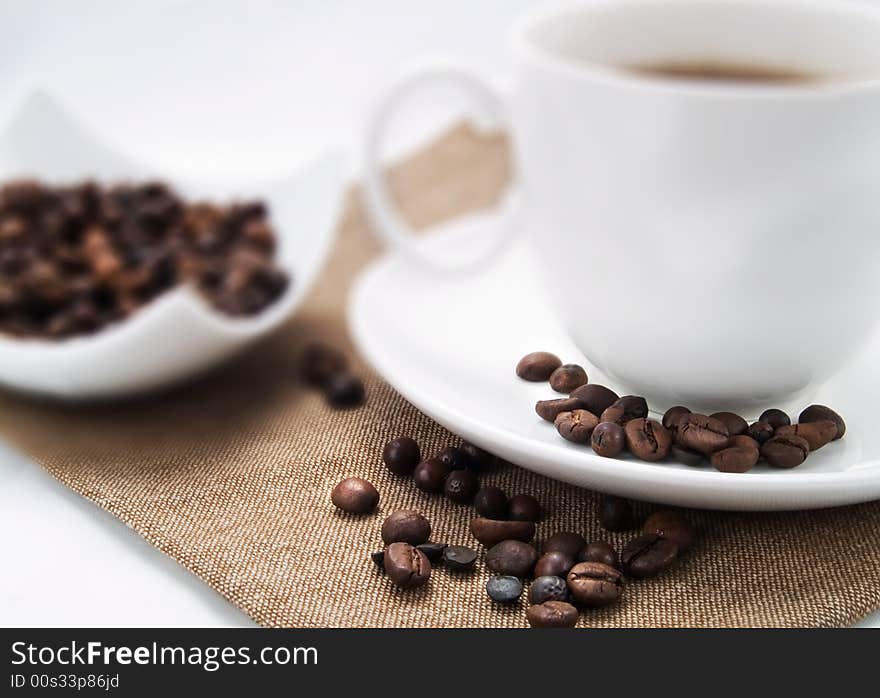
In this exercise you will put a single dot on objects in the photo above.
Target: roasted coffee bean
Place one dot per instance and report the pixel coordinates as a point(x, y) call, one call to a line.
point(489, 531)
point(378, 559)
point(817, 434)
point(672, 415)
point(576, 426)
point(686, 456)
point(647, 439)
point(787, 451)
point(550, 409)
point(548, 588)
point(615, 514)
point(701, 433)
point(478, 459)
point(760, 432)
point(320, 363)
point(432, 551)
point(594, 584)
point(461, 486)
point(537, 366)
point(567, 378)
point(406, 526)
point(459, 558)
point(775, 418)
point(608, 439)
point(512, 557)
point(406, 566)
point(595, 398)
point(616, 414)
point(355, 495)
point(345, 390)
point(734, 423)
point(735, 459)
point(401, 455)
point(504, 588)
point(818, 413)
point(648, 555)
point(634, 407)
point(745, 441)
point(552, 614)
point(553, 563)
point(524, 507)
point(430, 475)
point(491, 503)
point(598, 551)
point(672, 526)
point(566, 542)
point(454, 457)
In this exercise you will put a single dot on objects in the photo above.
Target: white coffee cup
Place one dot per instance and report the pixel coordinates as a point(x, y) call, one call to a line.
point(715, 244)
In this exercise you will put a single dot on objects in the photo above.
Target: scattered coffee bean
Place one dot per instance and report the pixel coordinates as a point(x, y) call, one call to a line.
point(550, 409)
point(567, 378)
point(735, 459)
point(537, 366)
point(345, 390)
point(490, 532)
point(745, 441)
point(595, 398)
point(817, 434)
point(432, 551)
point(787, 451)
point(430, 475)
point(566, 542)
point(608, 439)
point(478, 459)
point(355, 495)
point(461, 486)
point(319, 363)
point(576, 426)
point(594, 584)
point(634, 407)
point(648, 555)
point(817, 413)
point(504, 589)
point(553, 563)
point(686, 456)
point(459, 558)
point(616, 414)
point(491, 503)
point(378, 559)
point(775, 418)
point(512, 557)
point(524, 507)
point(647, 439)
point(406, 566)
point(734, 423)
point(598, 551)
point(548, 588)
point(552, 614)
point(672, 415)
point(454, 457)
point(406, 526)
point(760, 431)
point(615, 514)
point(672, 526)
point(701, 433)
point(401, 455)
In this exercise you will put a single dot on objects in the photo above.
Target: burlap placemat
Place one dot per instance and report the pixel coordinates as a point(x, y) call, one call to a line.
point(231, 477)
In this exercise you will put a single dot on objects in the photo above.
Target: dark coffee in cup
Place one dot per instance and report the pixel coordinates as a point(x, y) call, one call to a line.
point(716, 71)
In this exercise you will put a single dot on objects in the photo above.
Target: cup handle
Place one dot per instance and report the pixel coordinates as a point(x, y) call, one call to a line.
point(385, 217)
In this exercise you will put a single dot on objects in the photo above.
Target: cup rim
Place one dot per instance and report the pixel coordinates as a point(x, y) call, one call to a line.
point(524, 47)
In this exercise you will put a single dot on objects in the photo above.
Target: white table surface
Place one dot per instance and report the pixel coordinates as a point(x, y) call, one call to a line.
point(193, 86)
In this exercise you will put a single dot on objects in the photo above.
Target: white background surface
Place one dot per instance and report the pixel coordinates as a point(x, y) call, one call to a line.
point(194, 86)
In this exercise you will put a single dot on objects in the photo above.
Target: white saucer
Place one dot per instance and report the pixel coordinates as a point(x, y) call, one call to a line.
point(449, 345)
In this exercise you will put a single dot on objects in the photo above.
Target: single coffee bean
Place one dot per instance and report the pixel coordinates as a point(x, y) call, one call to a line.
point(432, 551)
point(672, 415)
point(504, 588)
point(552, 614)
point(406, 566)
point(735, 459)
point(595, 398)
point(701, 433)
point(406, 526)
point(576, 426)
point(454, 457)
point(567, 378)
point(355, 495)
point(616, 414)
point(401, 455)
point(672, 526)
point(320, 362)
point(566, 542)
point(745, 441)
point(345, 390)
point(760, 432)
point(734, 423)
point(524, 507)
point(615, 514)
point(647, 439)
point(686, 456)
point(378, 559)
point(461, 486)
point(459, 558)
point(550, 409)
point(594, 584)
point(787, 451)
point(512, 557)
point(548, 588)
point(598, 551)
point(490, 532)
point(634, 407)
point(608, 439)
point(817, 413)
point(553, 563)
point(648, 555)
point(775, 418)
point(537, 366)
point(430, 475)
point(491, 503)
point(817, 434)
point(478, 459)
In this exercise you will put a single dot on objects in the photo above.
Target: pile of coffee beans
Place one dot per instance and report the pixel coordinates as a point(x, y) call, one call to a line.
point(595, 415)
point(75, 259)
point(328, 370)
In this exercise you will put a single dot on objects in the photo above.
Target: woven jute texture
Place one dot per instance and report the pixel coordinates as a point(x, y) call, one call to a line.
point(231, 477)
